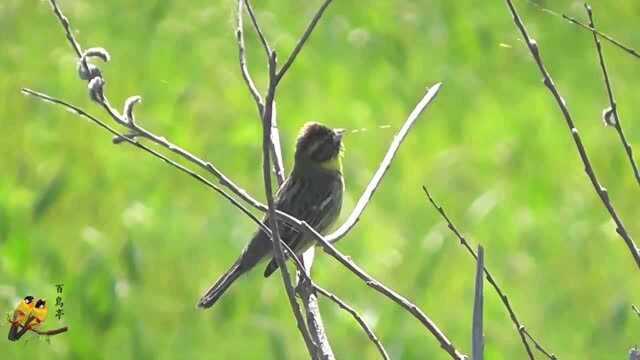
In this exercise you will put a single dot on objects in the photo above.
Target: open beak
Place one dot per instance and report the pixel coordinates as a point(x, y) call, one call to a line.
point(338, 134)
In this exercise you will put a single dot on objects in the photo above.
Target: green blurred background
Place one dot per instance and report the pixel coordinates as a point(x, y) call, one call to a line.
point(135, 242)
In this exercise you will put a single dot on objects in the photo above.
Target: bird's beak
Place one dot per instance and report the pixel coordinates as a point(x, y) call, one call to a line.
point(338, 134)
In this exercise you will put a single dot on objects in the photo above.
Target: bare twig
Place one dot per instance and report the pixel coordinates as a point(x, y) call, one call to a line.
point(276, 148)
point(477, 339)
point(538, 345)
point(612, 111)
point(243, 61)
point(51, 332)
point(600, 190)
point(609, 38)
point(503, 297)
point(574, 21)
point(412, 308)
point(278, 254)
point(256, 26)
point(302, 40)
point(371, 188)
point(80, 112)
point(372, 336)
point(137, 131)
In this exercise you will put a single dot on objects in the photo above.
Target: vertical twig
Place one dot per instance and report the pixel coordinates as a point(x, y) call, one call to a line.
point(582, 152)
point(477, 339)
point(611, 114)
point(273, 221)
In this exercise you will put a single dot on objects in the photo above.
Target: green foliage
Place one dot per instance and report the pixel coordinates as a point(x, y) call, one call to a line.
point(135, 242)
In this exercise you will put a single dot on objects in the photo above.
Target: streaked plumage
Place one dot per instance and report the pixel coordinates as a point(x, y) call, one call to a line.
point(313, 193)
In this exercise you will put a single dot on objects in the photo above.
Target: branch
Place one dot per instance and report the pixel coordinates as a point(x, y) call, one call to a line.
point(611, 114)
point(302, 41)
point(278, 254)
point(243, 61)
point(574, 21)
point(276, 148)
point(371, 188)
point(80, 112)
point(503, 297)
point(538, 345)
point(477, 340)
point(413, 309)
point(548, 81)
point(610, 39)
point(372, 336)
point(258, 29)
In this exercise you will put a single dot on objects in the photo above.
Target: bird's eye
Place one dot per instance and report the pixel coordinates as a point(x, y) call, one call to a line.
point(40, 304)
point(28, 299)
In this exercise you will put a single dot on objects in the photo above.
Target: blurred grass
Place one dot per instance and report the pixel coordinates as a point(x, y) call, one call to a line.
point(135, 242)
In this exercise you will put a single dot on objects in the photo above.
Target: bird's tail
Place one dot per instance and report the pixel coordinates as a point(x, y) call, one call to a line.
point(214, 292)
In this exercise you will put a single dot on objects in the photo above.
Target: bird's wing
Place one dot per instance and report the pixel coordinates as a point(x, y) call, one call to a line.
point(297, 200)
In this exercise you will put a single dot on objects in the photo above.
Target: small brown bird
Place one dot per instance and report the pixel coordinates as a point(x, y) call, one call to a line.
point(312, 193)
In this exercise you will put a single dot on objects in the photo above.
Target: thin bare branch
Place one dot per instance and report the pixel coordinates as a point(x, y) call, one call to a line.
point(278, 254)
point(538, 345)
point(243, 61)
point(599, 189)
point(302, 41)
point(256, 26)
point(276, 148)
point(82, 113)
point(613, 106)
point(137, 131)
point(346, 261)
point(51, 332)
point(574, 21)
point(365, 327)
point(503, 297)
point(371, 188)
point(477, 338)
point(67, 27)
point(609, 38)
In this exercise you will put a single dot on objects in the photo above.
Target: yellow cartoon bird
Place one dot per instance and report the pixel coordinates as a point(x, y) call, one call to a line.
point(39, 313)
point(23, 310)
point(20, 315)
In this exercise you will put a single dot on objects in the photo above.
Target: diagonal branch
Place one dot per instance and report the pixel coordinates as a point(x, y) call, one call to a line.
point(582, 152)
point(80, 112)
point(609, 38)
point(372, 336)
point(256, 26)
point(503, 297)
point(302, 41)
point(373, 185)
point(612, 111)
point(577, 22)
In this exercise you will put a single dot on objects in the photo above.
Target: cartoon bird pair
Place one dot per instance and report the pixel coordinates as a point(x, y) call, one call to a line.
point(28, 315)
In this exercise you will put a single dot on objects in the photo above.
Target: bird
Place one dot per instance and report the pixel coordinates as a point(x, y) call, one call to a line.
point(20, 316)
point(39, 313)
point(312, 193)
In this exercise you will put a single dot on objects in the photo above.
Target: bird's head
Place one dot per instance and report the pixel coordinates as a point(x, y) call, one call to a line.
point(319, 145)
